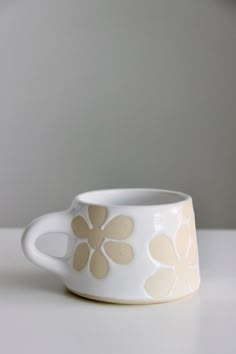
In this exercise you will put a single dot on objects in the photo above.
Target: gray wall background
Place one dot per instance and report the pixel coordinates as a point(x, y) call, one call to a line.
point(99, 94)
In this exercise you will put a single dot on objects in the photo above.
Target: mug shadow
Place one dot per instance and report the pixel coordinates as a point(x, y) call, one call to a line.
point(30, 280)
point(69, 294)
point(16, 282)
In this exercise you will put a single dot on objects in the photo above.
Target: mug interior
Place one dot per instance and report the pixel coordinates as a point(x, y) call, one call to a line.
point(132, 197)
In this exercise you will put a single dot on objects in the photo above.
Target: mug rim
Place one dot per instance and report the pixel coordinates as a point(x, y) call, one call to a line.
point(81, 198)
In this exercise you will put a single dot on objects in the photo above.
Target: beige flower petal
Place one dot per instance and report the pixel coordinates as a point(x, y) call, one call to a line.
point(80, 227)
point(193, 279)
point(187, 208)
point(162, 250)
point(192, 256)
point(188, 213)
point(182, 241)
point(97, 215)
point(119, 228)
point(160, 284)
point(98, 264)
point(81, 256)
point(120, 253)
point(181, 286)
point(192, 226)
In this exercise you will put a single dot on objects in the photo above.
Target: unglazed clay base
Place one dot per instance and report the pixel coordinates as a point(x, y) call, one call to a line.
point(129, 302)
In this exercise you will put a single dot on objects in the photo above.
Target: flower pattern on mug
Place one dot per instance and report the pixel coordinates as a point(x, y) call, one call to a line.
point(182, 258)
point(117, 229)
point(188, 216)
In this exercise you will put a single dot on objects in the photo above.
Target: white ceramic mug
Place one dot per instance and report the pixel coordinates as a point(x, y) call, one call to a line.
point(124, 245)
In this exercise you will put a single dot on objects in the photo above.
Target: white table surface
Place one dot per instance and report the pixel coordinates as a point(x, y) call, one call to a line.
point(37, 314)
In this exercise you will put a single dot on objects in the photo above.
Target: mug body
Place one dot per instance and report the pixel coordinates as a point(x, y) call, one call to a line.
point(130, 246)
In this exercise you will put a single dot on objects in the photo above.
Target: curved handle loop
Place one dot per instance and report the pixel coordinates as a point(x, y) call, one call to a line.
point(50, 223)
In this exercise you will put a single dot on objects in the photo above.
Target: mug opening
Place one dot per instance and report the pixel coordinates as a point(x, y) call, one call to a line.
point(132, 197)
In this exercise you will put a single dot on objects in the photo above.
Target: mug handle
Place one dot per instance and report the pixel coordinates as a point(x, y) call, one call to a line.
point(50, 223)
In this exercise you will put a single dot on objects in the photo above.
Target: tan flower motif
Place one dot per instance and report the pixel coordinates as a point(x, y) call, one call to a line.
point(117, 229)
point(188, 214)
point(182, 276)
